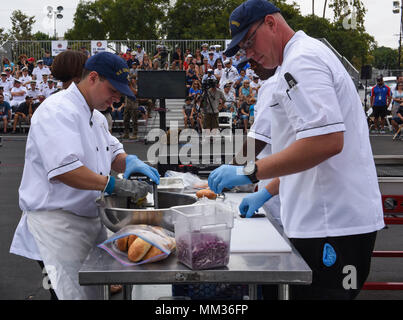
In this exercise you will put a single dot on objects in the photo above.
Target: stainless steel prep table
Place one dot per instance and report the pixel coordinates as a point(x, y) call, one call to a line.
point(283, 269)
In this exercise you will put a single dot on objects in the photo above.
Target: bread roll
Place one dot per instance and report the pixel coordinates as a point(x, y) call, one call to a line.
point(138, 250)
point(131, 239)
point(154, 251)
point(206, 193)
point(122, 244)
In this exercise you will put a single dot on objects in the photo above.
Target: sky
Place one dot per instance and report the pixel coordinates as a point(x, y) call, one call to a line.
point(380, 21)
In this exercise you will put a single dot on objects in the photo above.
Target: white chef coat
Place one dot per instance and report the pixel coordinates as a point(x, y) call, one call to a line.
point(340, 196)
point(60, 140)
point(261, 130)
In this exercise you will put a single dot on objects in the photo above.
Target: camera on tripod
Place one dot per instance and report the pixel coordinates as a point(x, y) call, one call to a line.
point(209, 83)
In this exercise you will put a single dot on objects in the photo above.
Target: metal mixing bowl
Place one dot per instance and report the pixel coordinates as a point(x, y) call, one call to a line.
point(115, 214)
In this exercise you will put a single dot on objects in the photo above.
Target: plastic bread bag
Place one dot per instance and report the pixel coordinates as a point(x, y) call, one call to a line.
point(190, 180)
point(139, 244)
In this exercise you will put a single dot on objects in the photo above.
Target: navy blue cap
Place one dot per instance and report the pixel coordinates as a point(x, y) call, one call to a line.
point(113, 68)
point(243, 17)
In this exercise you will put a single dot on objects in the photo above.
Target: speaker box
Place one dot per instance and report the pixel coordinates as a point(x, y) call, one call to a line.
point(366, 72)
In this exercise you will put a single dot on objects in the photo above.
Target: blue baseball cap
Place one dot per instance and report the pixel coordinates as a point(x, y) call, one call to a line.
point(113, 68)
point(243, 17)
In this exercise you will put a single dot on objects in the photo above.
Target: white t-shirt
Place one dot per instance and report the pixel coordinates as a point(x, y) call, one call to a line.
point(62, 139)
point(19, 99)
point(37, 72)
point(218, 72)
point(139, 56)
point(340, 196)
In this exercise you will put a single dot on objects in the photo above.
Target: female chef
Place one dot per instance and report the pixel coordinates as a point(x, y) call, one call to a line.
point(68, 160)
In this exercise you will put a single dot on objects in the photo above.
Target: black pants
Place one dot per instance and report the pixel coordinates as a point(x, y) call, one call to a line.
point(53, 295)
point(341, 281)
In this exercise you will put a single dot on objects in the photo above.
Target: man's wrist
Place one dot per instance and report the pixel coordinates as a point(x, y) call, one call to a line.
point(110, 185)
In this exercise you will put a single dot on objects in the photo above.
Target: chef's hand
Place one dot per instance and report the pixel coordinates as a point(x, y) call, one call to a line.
point(128, 188)
point(227, 176)
point(135, 165)
point(251, 203)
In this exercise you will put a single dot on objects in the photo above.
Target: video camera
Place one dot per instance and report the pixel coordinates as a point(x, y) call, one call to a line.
point(209, 83)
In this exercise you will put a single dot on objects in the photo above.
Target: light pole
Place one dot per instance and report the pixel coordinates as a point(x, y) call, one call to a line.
point(55, 14)
point(396, 10)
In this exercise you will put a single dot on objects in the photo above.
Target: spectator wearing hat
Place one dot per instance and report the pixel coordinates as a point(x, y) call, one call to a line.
point(204, 51)
point(211, 58)
point(43, 84)
point(49, 89)
point(47, 59)
point(132, 61)
point(230, 73)
point(18, 93)
point(25, 77)
point(209, 76)
point(218, 51)
point(218, 69)
point(5, 112)
point(39, 70)
point(23, 112)
point(188, 60)
point(9, 74)
point(230, 97)
point(30, 65)
point(236, 59)
point(139, 54)
point(33, 91)
point(4, 83)
point(255, 84)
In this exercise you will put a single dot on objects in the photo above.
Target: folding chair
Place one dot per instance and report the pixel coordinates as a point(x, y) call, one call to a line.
point(226, 124)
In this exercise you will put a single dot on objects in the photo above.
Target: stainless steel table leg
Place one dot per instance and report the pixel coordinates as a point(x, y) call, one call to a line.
point(107, 292)
point(284, 292)
point(252, 291)
point(127, 292)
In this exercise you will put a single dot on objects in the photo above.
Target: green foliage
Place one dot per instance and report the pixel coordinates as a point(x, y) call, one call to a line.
point(386, 58)
point(118, 20)
point(21, 26)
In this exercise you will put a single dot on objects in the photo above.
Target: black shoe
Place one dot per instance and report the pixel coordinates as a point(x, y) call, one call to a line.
point(13, 132)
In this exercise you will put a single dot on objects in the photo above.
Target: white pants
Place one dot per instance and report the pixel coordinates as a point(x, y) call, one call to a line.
point(64, 241)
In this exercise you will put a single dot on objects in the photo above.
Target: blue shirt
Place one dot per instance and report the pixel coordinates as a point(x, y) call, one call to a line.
point(47, 61)
point(380, 94)
point(252, 110)
point(4, 108)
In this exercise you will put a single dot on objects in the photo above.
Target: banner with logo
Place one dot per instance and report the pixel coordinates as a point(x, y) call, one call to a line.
point(98, 46)
point(58, 46)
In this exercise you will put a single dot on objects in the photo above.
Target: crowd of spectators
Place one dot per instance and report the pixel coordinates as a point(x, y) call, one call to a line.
point(27, 82)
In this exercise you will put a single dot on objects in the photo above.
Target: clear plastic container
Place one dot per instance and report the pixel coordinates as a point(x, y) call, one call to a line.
point(203, 235)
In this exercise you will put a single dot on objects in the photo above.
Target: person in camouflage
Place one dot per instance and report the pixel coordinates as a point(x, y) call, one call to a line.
point(131, 111)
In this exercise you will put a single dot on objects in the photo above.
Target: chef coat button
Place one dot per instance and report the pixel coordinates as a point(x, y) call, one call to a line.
point(107, 148)
point(97, 149)
point(100, 173)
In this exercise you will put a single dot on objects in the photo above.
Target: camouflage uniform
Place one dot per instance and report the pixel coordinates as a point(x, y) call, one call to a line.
point(131, 112)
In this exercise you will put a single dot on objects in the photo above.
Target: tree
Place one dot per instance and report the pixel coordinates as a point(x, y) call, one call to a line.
point(118, 20)
point(21, 26)
point(344, 10)
point(385, 58)
point(4, 36)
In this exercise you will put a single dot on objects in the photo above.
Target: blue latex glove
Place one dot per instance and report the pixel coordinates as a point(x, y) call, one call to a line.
point(135, 165)
point(251, 203)
point(227, 176)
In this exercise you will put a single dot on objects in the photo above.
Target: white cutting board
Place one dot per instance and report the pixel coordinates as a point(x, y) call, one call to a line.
point(256, 235)
point(253, 234)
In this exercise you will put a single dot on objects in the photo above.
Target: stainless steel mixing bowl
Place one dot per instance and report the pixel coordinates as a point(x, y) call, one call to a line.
point(115, 214)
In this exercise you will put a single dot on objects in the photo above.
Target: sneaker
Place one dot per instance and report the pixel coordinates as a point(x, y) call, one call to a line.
point(382, 131)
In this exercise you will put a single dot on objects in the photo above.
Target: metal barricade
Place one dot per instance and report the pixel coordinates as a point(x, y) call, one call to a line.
point(393, 209)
